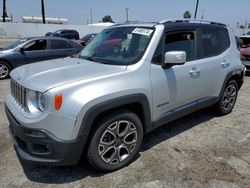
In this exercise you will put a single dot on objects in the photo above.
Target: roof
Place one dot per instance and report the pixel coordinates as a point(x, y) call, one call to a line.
point(43, 38)
point(190, 21)
point(175, 23)
point(106, 24)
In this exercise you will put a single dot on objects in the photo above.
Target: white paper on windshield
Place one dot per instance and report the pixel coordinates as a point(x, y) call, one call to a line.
point(142, 31)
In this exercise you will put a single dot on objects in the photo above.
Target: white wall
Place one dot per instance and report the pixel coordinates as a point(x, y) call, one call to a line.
point(21, 30)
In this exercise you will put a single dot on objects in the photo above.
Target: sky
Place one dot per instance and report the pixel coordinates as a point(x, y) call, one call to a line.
point(78, 11)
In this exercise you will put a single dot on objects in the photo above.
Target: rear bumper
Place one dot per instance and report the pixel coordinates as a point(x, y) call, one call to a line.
point(41, 147)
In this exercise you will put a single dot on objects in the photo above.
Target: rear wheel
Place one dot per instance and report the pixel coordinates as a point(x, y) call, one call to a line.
point(228, 98)
point(4, 70)
point(116, 141)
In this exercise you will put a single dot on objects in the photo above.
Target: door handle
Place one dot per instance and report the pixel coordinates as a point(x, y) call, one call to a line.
point(194, 71)
point(225, 63)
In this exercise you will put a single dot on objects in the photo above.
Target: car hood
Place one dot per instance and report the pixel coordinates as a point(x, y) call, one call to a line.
point(45, 75)
point(3, 51)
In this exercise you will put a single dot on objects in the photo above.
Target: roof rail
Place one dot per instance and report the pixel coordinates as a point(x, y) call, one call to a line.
point(191, 21)
point(134, 22)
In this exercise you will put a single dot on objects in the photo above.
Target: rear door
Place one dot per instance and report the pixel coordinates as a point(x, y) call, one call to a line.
point(58, 48)
point(214, 60)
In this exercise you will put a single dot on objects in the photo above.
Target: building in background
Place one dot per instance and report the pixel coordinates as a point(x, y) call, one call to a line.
point(37, 20)
point(7, 19)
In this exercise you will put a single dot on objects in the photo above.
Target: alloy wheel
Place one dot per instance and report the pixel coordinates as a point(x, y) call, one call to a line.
point(229, 97)
point(117, 142)
point(4, 71)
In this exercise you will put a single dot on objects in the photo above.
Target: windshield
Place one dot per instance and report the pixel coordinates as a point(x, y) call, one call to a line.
point(118, 46)
point(14, 44)
point(89, 36)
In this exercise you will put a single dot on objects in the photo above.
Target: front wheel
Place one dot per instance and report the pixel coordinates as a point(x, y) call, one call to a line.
point(4, 70)
point(116, 141)
point(228, 98)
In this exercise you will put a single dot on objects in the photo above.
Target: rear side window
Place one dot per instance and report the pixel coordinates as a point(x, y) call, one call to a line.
point(75, 45)
point(213, 42)
point(59, 44)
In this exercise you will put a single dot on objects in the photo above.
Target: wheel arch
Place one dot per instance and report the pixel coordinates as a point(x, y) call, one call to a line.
point(8, 62)
point(136, 103)
point(237, 75)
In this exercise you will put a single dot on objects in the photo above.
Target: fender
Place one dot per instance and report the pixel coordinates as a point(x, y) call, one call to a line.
point(100, 108)
point(239, 72)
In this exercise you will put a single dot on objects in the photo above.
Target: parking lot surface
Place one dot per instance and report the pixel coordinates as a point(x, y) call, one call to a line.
point(199, 150)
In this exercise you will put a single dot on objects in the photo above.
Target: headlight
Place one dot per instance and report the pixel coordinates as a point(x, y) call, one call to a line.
point(35, 102)
point(41, 101)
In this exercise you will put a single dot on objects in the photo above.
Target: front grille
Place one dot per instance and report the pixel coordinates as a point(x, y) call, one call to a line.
point(18, 92)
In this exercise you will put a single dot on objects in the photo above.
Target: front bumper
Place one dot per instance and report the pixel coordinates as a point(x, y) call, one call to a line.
point(41, 147)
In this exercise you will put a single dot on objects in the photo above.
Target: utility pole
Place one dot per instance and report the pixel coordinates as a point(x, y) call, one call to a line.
point(4, 10)
point(91, 17)
point(127, 14)
point(196, 9)
point(43, 11)
point(202, 16)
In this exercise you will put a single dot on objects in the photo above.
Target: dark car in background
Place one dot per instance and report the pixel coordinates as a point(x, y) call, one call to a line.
point(239, 42)
point(31, 50)
point(64, 33)
point(87, 39)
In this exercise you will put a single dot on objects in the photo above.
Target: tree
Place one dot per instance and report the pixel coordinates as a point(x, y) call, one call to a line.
point(242, 27)
point(187, 14)
point(107, 18)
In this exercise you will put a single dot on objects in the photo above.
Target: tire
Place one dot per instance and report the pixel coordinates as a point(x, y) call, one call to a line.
point(4, 70)
point(228, 98)
point(116, 141)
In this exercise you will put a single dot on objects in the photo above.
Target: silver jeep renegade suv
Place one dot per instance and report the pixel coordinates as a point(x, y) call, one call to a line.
point(131, 79)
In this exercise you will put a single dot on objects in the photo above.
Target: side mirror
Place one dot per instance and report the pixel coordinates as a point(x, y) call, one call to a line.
point(21, 49)
point(174, 58)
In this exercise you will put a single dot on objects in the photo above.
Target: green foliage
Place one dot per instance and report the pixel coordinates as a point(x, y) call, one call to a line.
point(187, 15)
point(242, 27)
point(107, 18)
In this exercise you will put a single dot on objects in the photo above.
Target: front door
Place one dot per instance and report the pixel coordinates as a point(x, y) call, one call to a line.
point(177, 87)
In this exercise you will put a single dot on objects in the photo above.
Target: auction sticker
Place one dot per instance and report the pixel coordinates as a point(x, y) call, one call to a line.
point(142, 31)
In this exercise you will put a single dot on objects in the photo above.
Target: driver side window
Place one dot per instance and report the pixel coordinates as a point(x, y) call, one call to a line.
point(181, 41)
point(176, 41)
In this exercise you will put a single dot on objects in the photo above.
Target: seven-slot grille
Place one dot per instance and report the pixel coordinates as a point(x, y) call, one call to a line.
point(19, 94)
